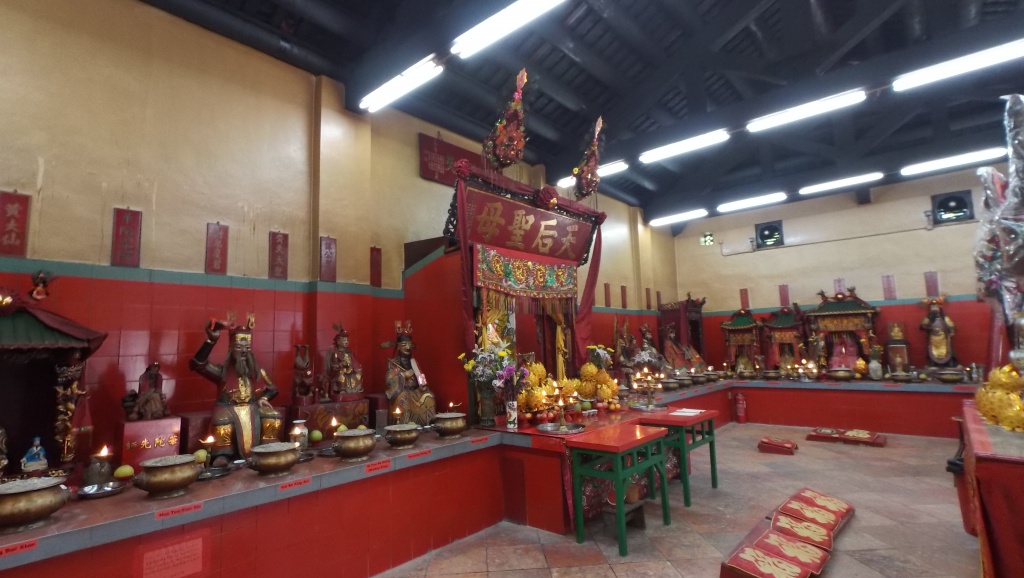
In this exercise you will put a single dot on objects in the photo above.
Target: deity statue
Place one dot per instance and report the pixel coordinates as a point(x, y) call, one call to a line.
point(35, 457)
point(940, 330)
point(625, 345)
point(149, 402)
point(681, 356)
point(3, 450)
point(844, 352)
point(648, 355)
point(302, 374)
point(344, 373)
point(406, 387)
point(242, 416)
point(68, 375)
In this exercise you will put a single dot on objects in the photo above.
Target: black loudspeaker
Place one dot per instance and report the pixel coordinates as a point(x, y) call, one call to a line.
point(768, 235)
point(952, 207)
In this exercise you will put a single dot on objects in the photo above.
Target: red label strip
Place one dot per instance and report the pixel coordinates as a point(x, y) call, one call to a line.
point(479, 440)
point(964, 388)
point(892, 385)
point(18, 548)
point(418, 454)
point(378, 466)
point(294, 484)
point(172, 512)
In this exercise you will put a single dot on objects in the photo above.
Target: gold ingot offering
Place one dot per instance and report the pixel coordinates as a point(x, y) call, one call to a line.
point(450, 424)
point(273, 459)
point(354, 445)
point(168, 476)
point(26, 504)
point(402, 436)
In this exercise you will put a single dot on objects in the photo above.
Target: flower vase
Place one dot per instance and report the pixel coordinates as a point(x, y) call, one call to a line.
point(486, 400)
point(512, 414)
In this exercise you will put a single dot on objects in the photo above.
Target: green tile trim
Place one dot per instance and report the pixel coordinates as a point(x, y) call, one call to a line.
point(434, 256)
point(617, 311)
point(880, 303)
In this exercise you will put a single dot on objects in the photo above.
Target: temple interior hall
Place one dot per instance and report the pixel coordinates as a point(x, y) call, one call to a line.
point(512, 288)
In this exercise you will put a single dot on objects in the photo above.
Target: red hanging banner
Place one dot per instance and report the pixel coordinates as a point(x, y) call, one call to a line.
point(216, 249)
point(14, 237)
point(328, 259)
point(277, 264)
point(438, 157)
point(126, 242)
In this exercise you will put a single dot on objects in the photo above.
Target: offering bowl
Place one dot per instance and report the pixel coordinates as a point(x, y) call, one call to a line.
point(354, 445)
point(949, 375)
point(403, 435)
point(772, 374)
point(711, 376)
point(274, 459)
point(746, 374)
point(670, 384)
point(841, 374)
point(450, 424)
point(168, 476)
point(900, 376)
point(698, 379)
point(27, 503)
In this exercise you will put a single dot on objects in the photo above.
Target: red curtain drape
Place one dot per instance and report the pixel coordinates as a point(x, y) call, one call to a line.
point(582, 320)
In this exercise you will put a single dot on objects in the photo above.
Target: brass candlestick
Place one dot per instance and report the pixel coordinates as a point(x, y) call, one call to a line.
point(208, 446)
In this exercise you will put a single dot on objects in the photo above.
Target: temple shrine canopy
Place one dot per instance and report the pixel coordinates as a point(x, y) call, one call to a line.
point(842, 304)
point(26, 329)
point(785, 318)
point(740, 321)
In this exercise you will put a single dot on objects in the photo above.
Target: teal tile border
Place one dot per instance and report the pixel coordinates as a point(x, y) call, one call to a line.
point(880, 303)
point(617, 311)
point(433, 256)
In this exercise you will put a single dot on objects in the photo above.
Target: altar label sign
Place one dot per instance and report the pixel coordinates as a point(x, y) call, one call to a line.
point(126, 238)
point(14, 235)
point(437, 158)
point(178, 511)
point(216, 249)
point(18, 548)
point(294, 484)
point(277, 264)
point(419, 454)
point(478, 440)
point(504, 223)
point(378, 466)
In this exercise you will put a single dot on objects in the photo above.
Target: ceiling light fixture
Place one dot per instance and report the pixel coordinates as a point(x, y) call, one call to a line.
point(813, 108)
point(954, 161)
point(611, 168)
point(841, 183)
point(515, 16)
point(413, 77)
point(684, 146)
point(687, 216)
point(957, 66)
point(752, 202)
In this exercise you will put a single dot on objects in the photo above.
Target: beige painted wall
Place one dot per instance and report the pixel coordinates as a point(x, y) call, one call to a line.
point(831, 237)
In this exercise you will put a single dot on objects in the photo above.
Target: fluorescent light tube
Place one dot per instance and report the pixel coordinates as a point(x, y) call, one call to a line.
point(957, 66)
point(515, 16)
point(954, 161)
point(687, 216)
point(684, 146)
point(807, 110)
point(569, 181)
point(752, 202)
point(840, 183)
point(612, 168)
point(413, 77)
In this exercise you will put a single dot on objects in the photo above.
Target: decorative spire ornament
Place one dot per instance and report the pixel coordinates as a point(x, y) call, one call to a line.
point(504, 146)
point(586, 175)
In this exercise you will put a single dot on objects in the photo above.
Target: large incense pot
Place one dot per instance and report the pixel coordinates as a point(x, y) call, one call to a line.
point(27, 503)
point(168, 476)
point(450, 424)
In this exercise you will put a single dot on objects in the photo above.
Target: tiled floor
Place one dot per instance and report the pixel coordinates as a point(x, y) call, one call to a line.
point(907, 521)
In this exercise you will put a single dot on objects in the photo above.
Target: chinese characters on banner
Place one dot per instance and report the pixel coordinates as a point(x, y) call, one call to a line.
point(216, 249)
point(126, 242)
point(328, 259)
point(278, 261)
point(504, 223)
point(437, 158)
point(14, 233)
point(155, 438)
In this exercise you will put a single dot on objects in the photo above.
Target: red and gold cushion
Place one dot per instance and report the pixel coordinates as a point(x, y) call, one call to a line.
point(838, 507)
point(792, 550)
point(859, 436)
point(802, 530)
point(810, 513)
point(748, 561)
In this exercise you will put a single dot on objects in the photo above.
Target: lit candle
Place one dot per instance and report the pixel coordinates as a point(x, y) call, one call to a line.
point(103, 452)
point(451, 406)
point(295, 435)
point(398, 415)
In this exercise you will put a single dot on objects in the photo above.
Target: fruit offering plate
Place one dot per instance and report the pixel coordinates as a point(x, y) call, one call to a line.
point(555, 428)
point(213, 473)
point(101, 490)
point(654, 407)
point(306, 456)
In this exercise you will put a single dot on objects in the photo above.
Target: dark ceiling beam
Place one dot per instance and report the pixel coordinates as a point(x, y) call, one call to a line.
point(622, 24)
point(595, 64)
point(547, 82)
point(940, 17)
point(869, 74)
point(970, 12)
point(463, 85)
point(331, 19)
point(769, 48)
point(914, 21)
point(230, 26)
point(889, 163)
point(803, 146)
point(796, 21)
point(748, 66)
point(617, 193)
point(636, 177)
point(869, 16)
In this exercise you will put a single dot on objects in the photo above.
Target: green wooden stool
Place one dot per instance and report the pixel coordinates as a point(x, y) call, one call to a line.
point(687, 433)
point(611, 446)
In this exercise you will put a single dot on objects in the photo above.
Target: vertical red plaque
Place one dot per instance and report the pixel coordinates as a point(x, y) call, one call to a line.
point(889, 287)
point(625, 301)
point(14, 237)
point(126, 244)
point(744, 298)
point(375, 266)
point(216, 249)
point(647, 290)
point(277, 264)
point(328, 259)
point(607, 294)
point(784, 295)
point(840, 285)
point(931, 283)
point(658, 295)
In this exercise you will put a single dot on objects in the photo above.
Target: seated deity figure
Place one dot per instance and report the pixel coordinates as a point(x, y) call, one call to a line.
point(242, 417)
point(406, 386)
point(844, 352)
point(35, 457)
point(940, 330)
point(344, 373)
point(149, 402)
point(679, 356)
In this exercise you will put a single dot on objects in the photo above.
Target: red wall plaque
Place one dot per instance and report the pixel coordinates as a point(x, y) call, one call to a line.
point(625, 300)
point(126, 243)
point(375, 266)
point(607, 294)
point(14, 236)
point(658, 296)
point(931, 283)
point(277, 264)
point(216, 248)
point(839, 285)
point(647, 291)
point(888, 287)
point(744, 298)
point(328, 259)
point(437, 158)
point(784, 295)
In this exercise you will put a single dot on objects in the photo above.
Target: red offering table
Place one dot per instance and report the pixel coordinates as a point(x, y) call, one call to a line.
point(994, 466)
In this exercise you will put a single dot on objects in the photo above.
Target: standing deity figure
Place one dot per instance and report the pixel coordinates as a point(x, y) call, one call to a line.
point(407, 388)
point(242, 417)
point(679, 356)
point(3, 450)
point(149, 402)
point(302, 374)
point(344, 373)
point(940, 330)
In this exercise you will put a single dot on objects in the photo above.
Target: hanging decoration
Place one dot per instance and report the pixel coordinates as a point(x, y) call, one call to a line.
point(504, 146)
point(523, 275)
point(586, 175)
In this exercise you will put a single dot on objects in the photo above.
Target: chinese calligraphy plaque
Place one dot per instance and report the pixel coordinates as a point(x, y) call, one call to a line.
point(216, 249)
point(126, 239)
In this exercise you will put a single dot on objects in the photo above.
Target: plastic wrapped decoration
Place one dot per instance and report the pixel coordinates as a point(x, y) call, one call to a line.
point(993, 282)
point(999, 253)
point(504, 146)
point(586, 175)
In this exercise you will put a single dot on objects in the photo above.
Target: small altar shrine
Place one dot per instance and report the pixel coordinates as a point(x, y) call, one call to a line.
point(742, 343)
point(784, 337)
point(841, 327)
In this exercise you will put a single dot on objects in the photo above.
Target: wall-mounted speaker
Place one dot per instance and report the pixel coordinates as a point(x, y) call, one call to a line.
point(952, 207)
point(768, 235)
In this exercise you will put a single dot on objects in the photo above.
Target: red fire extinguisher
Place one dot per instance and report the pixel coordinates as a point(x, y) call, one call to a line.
point(741, 408)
